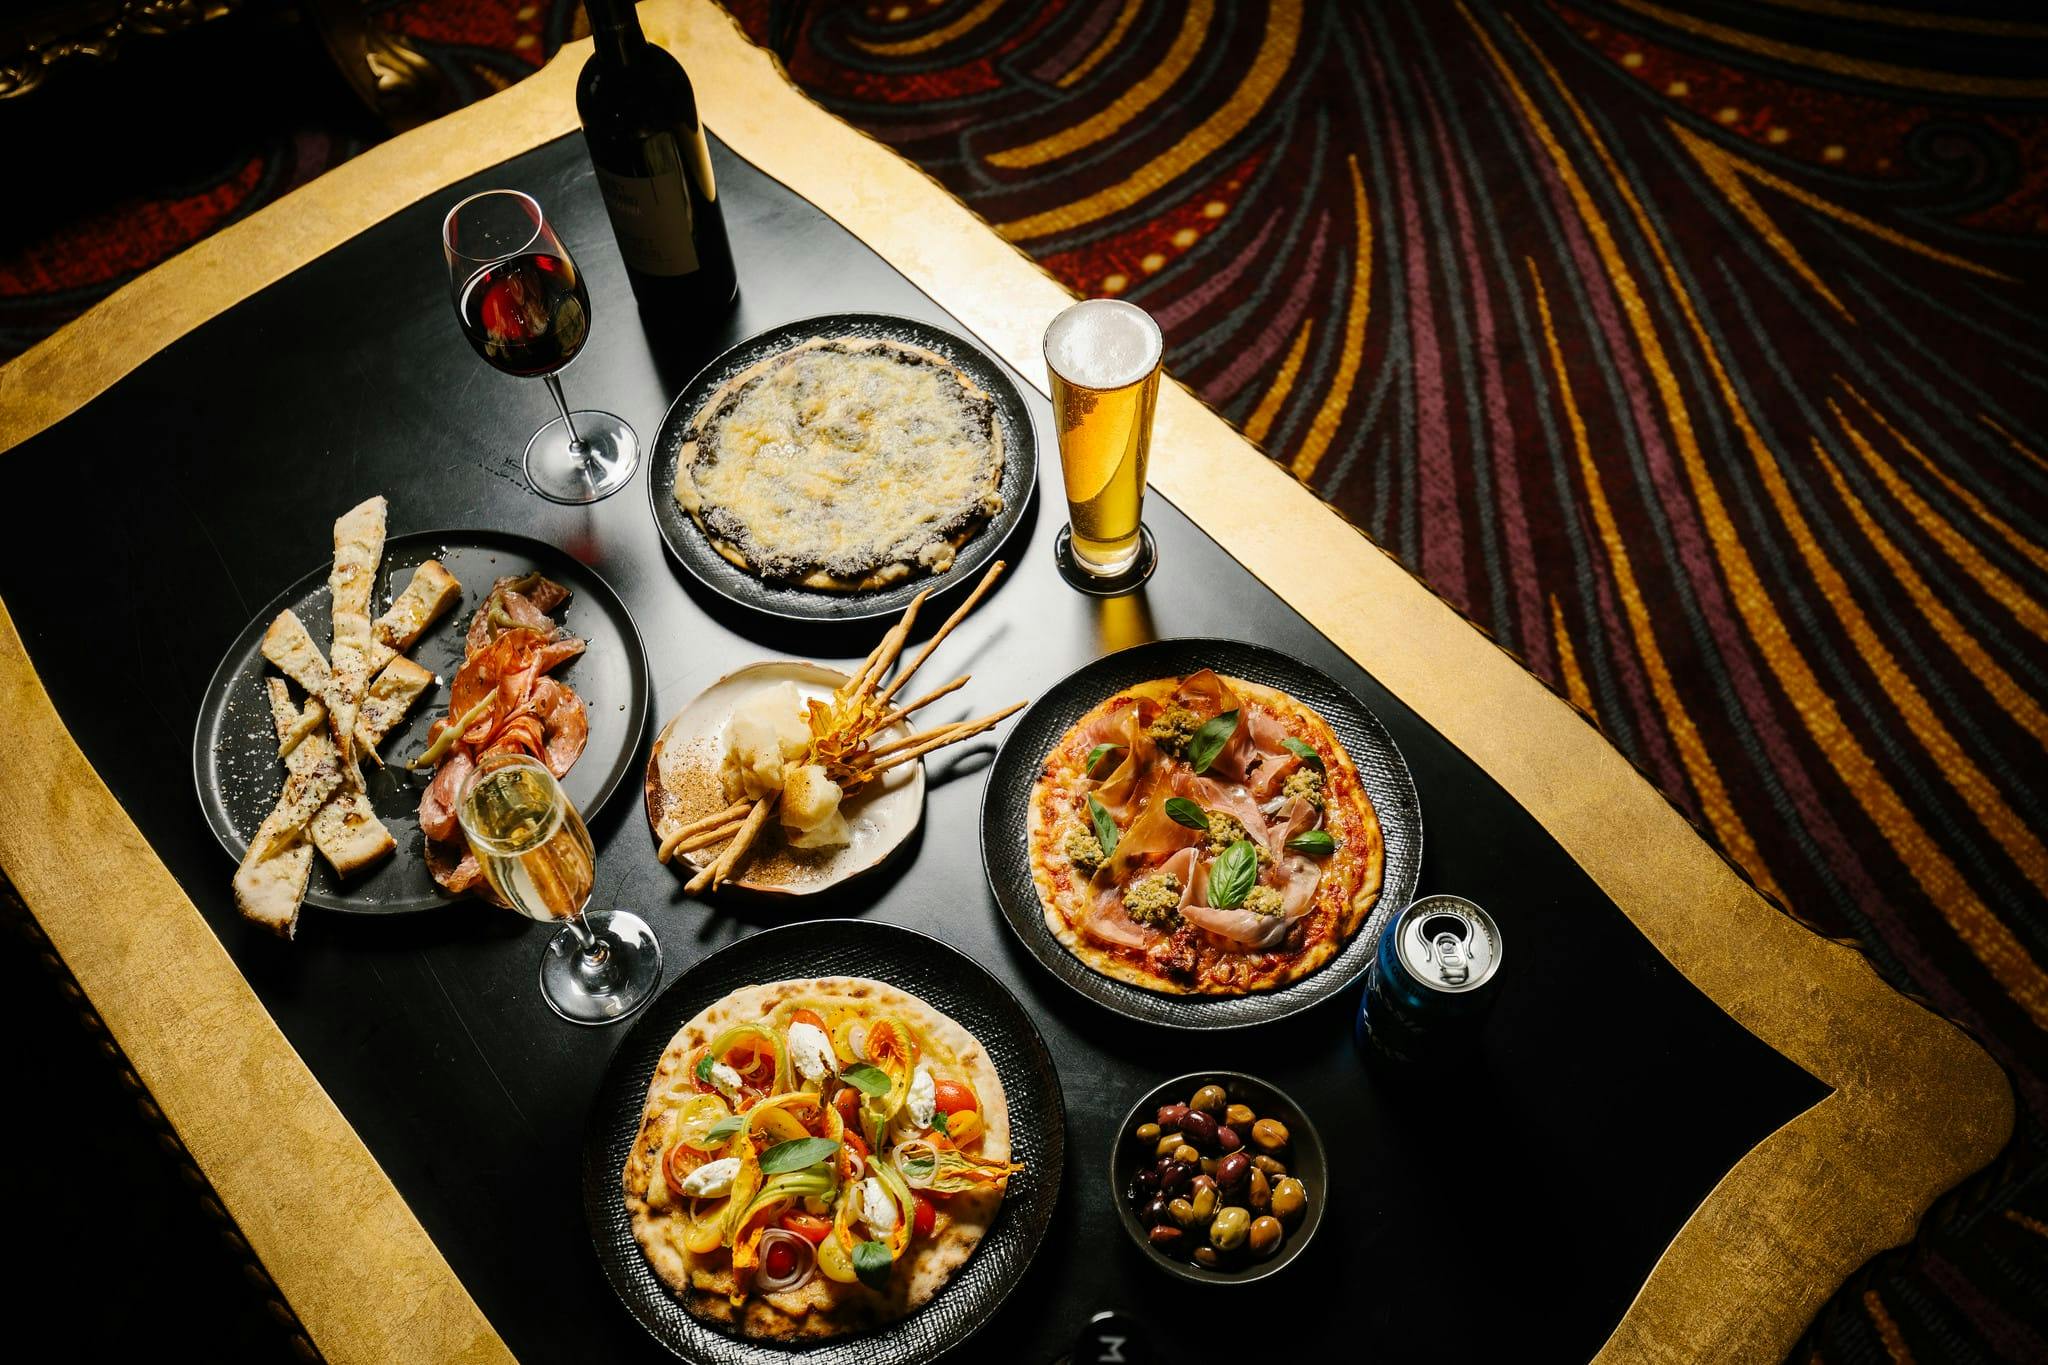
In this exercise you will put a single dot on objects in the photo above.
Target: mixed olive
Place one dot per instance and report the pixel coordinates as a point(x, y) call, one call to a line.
point(1213, 1185)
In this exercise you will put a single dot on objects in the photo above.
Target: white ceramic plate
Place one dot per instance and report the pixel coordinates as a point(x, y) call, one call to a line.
point(883, 814)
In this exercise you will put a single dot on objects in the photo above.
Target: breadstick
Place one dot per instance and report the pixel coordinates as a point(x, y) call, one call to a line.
point(926, 700)
point(729, 816)
point(891, 647)
point(959, 614)
point(950, 735)
point(912, 741)
point(719, 869)
point(690, 843)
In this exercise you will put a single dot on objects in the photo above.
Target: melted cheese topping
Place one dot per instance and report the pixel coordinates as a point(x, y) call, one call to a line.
point(847, 461)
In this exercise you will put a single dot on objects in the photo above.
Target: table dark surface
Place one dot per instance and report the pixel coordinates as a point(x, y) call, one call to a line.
point(1507, 1206)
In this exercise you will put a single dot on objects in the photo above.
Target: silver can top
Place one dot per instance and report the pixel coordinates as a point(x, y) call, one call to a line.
point(1449, 944)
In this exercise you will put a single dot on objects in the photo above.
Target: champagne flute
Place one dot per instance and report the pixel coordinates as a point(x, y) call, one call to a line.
point(525, 309)
point(539, 859)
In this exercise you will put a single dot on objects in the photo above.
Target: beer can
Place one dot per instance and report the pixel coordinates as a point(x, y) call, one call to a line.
point(1433, 977)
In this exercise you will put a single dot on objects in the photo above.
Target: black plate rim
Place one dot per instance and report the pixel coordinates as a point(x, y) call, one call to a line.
point(1146, 1006)
point(593, 1136)
point(876, 603)
point(478, 536)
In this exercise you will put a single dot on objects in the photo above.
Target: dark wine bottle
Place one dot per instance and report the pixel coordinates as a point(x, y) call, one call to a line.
point(654, 169)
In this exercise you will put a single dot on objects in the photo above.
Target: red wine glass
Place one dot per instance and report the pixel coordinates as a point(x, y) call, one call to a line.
point(523, 306)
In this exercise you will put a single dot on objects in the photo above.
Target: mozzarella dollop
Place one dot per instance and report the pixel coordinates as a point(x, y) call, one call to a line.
point(811, 1050)
point(877, 1209)
point(923, 1099)
point(725, 1078)
point(712, 1180)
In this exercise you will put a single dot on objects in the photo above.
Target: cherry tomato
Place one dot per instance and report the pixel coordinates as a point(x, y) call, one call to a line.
point(699, 1082)
point(755, 1065)
point(950, 1096)
point(856, 1141)
point(926, 1216)
point(677, 1165)
point(780, 1260)
point(847, 1102)
point(810, 1226)
point(811, 1017)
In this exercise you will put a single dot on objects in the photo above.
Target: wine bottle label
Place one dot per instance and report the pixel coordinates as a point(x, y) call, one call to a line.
point(651, 213)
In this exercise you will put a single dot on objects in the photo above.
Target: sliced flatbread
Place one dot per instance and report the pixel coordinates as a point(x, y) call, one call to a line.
point(429, 594)
point(271, 882)
point(358, 546)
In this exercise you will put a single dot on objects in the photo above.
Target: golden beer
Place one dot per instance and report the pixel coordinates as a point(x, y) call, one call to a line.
point(1104, 358)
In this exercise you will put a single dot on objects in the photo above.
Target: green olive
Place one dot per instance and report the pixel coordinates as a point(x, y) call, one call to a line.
point(1272, 1166)
point(1168, 1143)
point(1207, 1258)
point(1181, 1212)
point(1269, 1135)
point(1210, 1099)
point(1239, 1116)
point(1230, 1229)
point(1289, 1199)
point(1148, 1132)
point(1203, 1198)
point(1187, 1154)
point(1261, 1191)
point(1265, 1236)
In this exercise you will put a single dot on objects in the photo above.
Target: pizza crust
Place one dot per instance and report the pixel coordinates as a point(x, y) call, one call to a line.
point(822, 1308)
point(1358, 868)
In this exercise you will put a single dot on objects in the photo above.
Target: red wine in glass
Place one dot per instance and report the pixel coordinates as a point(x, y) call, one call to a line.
point(527, 315)
point(522, 304)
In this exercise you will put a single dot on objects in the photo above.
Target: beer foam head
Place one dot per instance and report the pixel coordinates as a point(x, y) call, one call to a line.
point(1103, 344)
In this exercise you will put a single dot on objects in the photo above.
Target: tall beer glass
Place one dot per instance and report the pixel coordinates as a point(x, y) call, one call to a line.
point(540, 861)
point(1104, 358)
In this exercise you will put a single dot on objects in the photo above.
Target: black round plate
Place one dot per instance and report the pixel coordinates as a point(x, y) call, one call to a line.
point(234, 747)
point(686, 541)
point(943, 978)
point(1005, 805)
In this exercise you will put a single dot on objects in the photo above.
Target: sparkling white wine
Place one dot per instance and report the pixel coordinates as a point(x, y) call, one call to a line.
point(530, 840)
point(1104, 358)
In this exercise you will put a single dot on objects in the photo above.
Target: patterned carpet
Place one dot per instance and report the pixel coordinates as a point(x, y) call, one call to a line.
point(1695, 352)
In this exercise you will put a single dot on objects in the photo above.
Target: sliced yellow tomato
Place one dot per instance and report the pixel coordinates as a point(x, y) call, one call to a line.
point(835, 1262)
point(964, 1126)
point(707, 1233)
point(695, 1119)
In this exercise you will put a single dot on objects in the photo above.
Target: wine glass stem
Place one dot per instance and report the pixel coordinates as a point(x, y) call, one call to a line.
point(554, 384)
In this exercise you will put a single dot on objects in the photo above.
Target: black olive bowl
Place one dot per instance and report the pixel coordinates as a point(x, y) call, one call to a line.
point(1304, 1159)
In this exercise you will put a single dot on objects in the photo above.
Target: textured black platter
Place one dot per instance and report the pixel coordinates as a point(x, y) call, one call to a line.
point(687, 542)
point(941, 977)
point(1006, 804)
point(234, 746)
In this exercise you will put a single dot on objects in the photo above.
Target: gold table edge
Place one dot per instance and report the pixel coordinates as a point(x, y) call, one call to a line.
point(1917, 1106)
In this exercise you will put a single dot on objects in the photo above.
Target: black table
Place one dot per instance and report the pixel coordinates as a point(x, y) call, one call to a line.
point(1506, 1207)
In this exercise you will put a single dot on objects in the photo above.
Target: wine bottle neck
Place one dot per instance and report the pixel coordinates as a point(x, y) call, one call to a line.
point(615, 29)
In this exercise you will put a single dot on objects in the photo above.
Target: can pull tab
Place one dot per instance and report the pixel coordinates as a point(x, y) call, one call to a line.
point(1450, 953)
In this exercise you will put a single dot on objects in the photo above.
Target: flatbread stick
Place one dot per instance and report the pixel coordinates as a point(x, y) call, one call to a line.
point(427, 597)
point(988, 581)
point(346, 829)
point(358, 546)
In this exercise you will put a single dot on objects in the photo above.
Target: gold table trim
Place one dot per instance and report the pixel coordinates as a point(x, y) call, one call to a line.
point(1916, 1106)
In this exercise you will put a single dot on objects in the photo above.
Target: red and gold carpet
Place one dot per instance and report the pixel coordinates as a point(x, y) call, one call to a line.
point(1695, 351)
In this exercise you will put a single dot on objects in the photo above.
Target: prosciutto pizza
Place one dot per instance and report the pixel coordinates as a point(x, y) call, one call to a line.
point(1203, 835)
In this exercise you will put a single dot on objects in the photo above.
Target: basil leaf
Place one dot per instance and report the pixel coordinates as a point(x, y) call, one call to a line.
point(704, 1068)
point(939, 1121)
point(869, 1080)
point(1095, 756)
point(1317, 841)
point(796, 1154)
point(872, 1262)
point(1105, 826)
point(1209, 741)
point(1303, 752)
point(1182, 811)
point(1233, 875)
point(725, 1128)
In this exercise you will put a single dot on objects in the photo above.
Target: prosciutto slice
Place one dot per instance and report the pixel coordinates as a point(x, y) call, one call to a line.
point(1109, 923)
point(1126, 784)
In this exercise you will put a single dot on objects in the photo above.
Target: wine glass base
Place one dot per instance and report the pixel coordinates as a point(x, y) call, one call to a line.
point(608, 989)
point(604, 464)
point(1082, 579)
